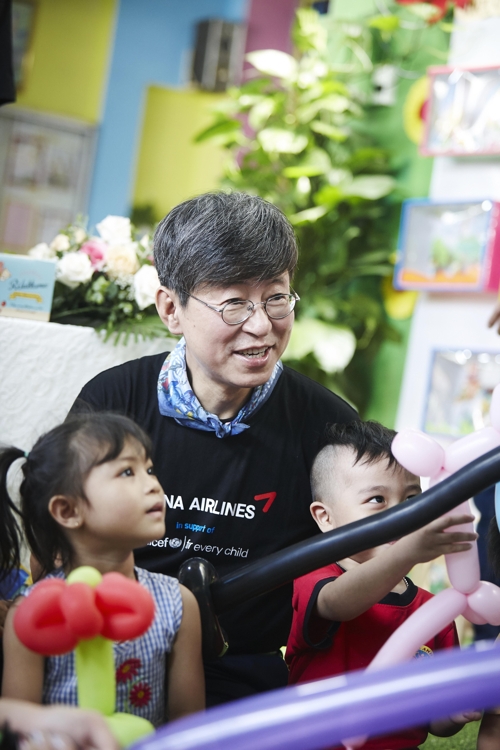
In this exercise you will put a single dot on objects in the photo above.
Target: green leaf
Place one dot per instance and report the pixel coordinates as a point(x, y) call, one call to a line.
point(309, 33)
point(308, 216)
point(384, 23)
point(333, 346)
point(218, 128)
point(335, 103)
point(371, 187)
point(315, 163)
point(261, 112)
point(274, 63)
point(328, 196)
point(330, 131)
point(149, 327)
point(280, 141)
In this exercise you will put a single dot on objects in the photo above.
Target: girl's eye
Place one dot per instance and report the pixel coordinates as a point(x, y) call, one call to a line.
point(377, 500)
point(127, 473)
point(151, 470)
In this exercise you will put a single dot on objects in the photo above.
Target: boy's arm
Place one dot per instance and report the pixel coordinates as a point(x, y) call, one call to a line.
point(186, 680)
point(22, 669)
point(365, 584)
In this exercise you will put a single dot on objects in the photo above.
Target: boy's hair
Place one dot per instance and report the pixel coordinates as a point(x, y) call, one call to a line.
point(370, 442)
point(221, 239)
point(58, 464)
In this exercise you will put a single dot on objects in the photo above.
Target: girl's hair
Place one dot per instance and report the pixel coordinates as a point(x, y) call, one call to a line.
point(58, 464)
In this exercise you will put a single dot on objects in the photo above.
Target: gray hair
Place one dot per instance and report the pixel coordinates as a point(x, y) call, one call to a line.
point(220, 239)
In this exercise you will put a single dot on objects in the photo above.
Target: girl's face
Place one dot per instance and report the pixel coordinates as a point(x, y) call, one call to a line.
point(126, 505)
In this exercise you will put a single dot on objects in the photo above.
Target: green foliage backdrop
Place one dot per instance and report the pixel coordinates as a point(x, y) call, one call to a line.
point(297, 133)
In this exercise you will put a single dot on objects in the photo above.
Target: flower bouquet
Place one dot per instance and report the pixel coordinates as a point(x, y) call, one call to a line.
point(107, 282)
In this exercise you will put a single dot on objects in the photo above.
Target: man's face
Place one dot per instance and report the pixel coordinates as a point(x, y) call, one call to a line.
point(231, 360)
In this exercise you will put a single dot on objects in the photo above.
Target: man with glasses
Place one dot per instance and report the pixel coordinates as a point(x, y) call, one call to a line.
point(234, 431)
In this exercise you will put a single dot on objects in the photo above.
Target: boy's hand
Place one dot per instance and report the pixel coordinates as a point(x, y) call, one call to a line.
point(453, 724)
point(433, 540)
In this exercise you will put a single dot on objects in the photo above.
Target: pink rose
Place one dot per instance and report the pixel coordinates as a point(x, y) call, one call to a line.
point(96, 250)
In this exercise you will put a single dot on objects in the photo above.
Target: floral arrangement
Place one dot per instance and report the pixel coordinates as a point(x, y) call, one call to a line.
point(107, 281)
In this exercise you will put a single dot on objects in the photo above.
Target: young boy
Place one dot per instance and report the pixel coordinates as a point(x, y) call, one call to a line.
point(345, 612)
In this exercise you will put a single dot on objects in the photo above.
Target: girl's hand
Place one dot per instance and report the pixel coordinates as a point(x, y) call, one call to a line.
point(433, 540)
point(56, 727)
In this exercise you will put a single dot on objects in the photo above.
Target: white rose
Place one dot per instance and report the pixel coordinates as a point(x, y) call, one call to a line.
point(60, 243)
point(42, 252)
point(145, 284)
point(116, 230)
point(121, 260)
point(79, 234)
point(74, 269)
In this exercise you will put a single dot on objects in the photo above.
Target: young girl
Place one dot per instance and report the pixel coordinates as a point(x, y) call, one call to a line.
point(89, 497)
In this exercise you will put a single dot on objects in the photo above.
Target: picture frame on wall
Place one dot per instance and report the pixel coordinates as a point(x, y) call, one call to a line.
point(463, 111)
point(45, 171)
point(461, 384)
point(449, 246)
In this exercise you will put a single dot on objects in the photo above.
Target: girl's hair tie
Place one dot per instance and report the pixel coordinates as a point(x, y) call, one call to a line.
point(26, 455)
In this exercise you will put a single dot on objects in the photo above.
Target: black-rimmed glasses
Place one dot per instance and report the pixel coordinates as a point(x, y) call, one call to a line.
point(237, 311)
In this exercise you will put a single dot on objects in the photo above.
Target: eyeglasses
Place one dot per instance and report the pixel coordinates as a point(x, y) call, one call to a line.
point(237, 311)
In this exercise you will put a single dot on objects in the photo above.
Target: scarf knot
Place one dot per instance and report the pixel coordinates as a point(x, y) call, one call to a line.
point(177, 399)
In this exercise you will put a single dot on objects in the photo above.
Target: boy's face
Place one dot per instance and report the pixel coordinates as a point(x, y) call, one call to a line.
point(359, 490)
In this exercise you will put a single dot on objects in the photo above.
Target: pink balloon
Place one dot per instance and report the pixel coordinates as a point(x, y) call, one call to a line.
point(423, 625)
point(495, 408)
point(470, 447)
point(418, 452)
point(485, 601)
point(442, 474)
point(463, 567)
point(473, 617)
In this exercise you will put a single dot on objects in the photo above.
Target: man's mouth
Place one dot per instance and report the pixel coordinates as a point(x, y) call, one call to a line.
point(254, 353)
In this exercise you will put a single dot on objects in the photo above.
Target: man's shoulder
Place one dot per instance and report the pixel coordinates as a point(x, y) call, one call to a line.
point(306, 389)
point(141, 369)
point(120, 386)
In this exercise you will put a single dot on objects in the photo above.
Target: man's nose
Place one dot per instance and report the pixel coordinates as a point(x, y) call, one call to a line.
point(258, 321)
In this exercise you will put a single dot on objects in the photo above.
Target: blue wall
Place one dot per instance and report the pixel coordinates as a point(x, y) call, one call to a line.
point(153, 40)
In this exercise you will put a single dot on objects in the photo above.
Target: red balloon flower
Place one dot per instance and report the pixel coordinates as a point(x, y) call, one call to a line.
point(56, 615)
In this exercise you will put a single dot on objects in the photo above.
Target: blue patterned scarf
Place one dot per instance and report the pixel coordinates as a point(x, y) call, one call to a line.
point(176, 397)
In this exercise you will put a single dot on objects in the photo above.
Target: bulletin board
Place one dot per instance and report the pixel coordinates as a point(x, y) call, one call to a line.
point(45, 171)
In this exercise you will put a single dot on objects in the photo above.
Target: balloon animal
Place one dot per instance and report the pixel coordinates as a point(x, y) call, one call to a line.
point(86, 613)
point(319, 714)
point(478, 601)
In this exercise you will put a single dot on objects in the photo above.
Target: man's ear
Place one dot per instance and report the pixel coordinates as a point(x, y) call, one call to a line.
point(65, 511)
point(168, 305)
point(323, 515)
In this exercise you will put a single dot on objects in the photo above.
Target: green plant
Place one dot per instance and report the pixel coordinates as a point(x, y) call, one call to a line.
point(292, 136)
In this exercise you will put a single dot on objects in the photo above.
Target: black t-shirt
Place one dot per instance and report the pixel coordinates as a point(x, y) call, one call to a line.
point(231, 500)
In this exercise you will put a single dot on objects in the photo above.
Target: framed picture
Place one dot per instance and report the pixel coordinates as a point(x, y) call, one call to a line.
point(463, 113)
point(451, 246)
point(45, 170)
point(460, 388)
